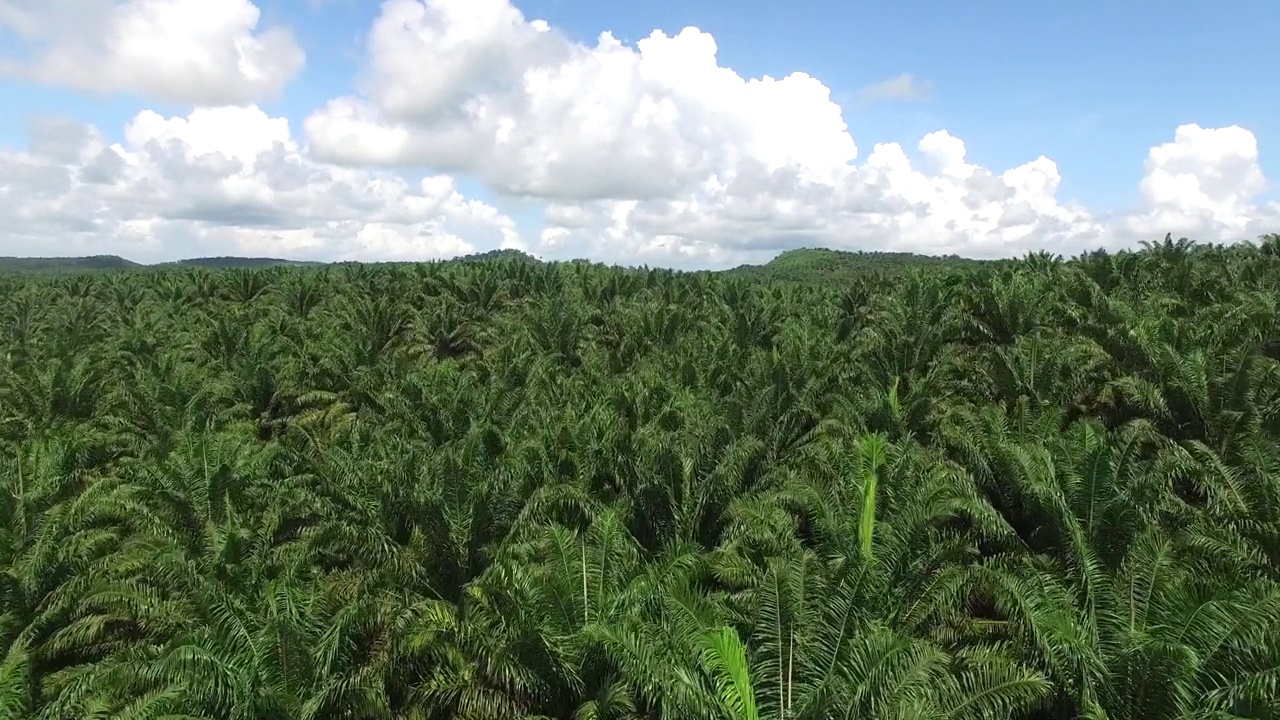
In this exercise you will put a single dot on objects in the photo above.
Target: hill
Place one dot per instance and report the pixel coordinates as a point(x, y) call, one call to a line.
point(803, 265)
point(823, 265)
point(105, 263)
point(503, 254)
point(224, 263)
point(95, 263)
point(111, 263)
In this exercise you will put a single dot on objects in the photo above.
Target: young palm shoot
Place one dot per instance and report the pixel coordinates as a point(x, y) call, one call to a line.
point(724, 658)
point(872, 450)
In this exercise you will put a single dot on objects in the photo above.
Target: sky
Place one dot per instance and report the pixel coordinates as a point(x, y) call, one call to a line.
point(695, 134)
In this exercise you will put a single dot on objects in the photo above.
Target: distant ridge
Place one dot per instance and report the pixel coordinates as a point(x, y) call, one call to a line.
point(106, 263)
point(223, 263)
point(109, 263)
point(74, 264)
point(503, 254)
point(822, 265)
point(805, 264)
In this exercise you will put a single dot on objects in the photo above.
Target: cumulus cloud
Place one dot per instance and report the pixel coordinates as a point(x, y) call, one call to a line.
point(224, 181)
point(1205, 182)
point(657, 153)
point(885, 204)
point(197, 52)
point(532, 113)
point(903, 88)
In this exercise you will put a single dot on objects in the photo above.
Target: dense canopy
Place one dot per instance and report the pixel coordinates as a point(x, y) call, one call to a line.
point(498, 490)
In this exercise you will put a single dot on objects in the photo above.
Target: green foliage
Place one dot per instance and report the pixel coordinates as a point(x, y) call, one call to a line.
point(104, 263)
point(96, 263)
point(835, 267)
point(833, 486)
point(226, 263)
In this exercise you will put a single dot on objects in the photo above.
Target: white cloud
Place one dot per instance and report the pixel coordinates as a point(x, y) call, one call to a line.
point(224, 181)
point(904, 87)
point(1206, 183)
point(656, 153)
point(199, 52)
point(886, 204)
point(533, 113)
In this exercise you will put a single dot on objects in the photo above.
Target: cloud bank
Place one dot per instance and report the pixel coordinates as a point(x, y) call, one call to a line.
point(224, 181)
point(653, 153)
point(194, 52)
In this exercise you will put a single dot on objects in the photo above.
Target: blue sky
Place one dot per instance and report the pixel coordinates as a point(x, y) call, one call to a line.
point(1091, 84)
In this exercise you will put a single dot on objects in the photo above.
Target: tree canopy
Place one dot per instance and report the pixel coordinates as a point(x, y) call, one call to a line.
point(501, 490)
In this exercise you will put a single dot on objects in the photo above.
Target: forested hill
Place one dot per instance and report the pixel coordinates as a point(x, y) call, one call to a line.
point(108, 263)
point(805, 265)
point(95, 263)
point(227, 263)
point(1034, 490)
point(821, 265)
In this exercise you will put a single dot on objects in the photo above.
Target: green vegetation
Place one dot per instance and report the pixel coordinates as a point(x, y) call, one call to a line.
point(833, 267)
point(501, 489)
point(806, 265)
point(500, 255)
point(227, 263)
point(102, 263)
point(96, 263)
